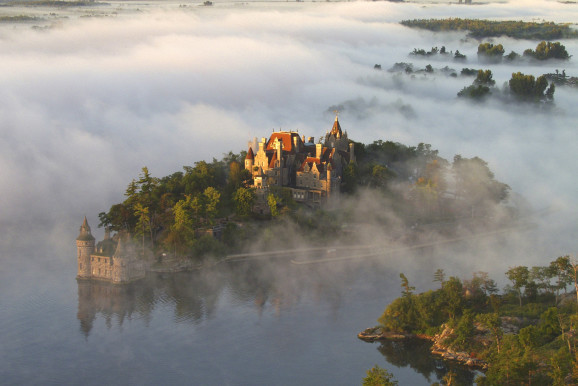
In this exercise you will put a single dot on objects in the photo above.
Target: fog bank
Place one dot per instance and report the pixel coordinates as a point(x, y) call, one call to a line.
point(85, 106)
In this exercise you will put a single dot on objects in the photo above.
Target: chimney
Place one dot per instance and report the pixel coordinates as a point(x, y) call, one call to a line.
point(318, 148)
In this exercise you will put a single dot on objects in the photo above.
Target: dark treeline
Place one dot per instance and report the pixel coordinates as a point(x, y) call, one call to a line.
point(179, 214)
point(526, 334)
point(488, 28)
point(520, 87)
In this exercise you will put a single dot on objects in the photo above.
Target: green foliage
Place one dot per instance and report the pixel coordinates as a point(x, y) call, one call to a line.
point(542, 352)
point(488, 28)
point(459, 56)
point(484, 78)
point(519, 277)
point(469, 72)
point(463, 332)
point(272, 202)
point(475, 92)
point(476, 185)
point(528, 88)
point(407, 290)
point(512, 56)
point(244, 199)
point(490, 52)
point(548, 50)
point(377, 376)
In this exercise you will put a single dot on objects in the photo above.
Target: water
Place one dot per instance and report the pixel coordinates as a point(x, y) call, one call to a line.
point(251, 322)
point(266, 322)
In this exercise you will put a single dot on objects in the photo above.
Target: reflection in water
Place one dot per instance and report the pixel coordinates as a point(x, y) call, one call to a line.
point(415, 353)
point(194, 295)
point(271, 300)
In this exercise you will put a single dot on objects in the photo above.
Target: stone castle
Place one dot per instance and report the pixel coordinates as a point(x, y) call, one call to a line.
point(111, 260)
point(312, 171)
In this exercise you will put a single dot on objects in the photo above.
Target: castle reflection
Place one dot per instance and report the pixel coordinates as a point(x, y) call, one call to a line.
point(194, 296)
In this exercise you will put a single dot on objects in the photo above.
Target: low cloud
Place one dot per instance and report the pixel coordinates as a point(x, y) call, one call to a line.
point(84, 106)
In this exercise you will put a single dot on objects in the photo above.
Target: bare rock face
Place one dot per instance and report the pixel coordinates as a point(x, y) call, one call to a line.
point(446, 352)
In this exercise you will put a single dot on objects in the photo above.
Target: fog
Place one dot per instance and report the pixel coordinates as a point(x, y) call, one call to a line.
point(86, 104)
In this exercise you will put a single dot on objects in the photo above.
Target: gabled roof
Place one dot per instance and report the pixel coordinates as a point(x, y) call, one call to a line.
point(310, 161)
point(286, 137)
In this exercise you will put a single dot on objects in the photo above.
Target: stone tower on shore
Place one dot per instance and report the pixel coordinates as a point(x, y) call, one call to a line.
point(85, 248)
point(109, 260)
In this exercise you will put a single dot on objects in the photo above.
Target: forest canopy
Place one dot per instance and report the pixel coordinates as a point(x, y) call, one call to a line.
point(179, 213)
point(489, 28)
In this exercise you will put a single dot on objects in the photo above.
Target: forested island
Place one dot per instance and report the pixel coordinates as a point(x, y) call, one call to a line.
point(478, 28)
point(524, 335)
point(208, 210)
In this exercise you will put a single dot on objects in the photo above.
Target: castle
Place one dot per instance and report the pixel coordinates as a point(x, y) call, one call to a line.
point(312, 171)
point(110, 260)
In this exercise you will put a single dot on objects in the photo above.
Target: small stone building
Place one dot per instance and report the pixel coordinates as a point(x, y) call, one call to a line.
point(113, 261)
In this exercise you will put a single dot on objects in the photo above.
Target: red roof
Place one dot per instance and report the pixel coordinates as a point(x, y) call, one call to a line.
point(286, 137)
point(310, 161)
point(250, 154)
point(273, 159)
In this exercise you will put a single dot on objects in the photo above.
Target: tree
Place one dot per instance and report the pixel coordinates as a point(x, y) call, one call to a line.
point(244, 199)
point(475, 183)
point(272, 202)
point(548, 50)
point(519, 276)
point(452, 297)
point(528, 88)
point(144, 222)
point(407, 290)
point(561, 268)
point(182, 232)
point(484, 78)
point(378, 377)
point(439, 276)
point(475, 92)
point(211, 198)
point(493, 323)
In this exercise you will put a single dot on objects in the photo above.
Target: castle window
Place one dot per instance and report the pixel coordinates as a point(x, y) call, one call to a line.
point(80, 266)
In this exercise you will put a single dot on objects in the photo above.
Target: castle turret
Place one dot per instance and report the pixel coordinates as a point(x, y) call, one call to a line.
point(84, 247)
point(249, 160)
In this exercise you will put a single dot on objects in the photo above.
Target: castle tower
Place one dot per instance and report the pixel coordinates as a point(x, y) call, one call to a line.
point(249, 160)
point(126, 267)
point(84, 247)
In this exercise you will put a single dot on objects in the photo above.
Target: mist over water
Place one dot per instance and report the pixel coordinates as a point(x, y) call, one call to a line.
point(84, 106)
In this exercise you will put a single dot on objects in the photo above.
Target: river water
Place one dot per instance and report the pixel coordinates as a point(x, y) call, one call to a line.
point(252, 322)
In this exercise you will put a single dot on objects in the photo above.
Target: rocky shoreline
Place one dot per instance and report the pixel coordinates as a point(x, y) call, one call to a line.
point(438, 348)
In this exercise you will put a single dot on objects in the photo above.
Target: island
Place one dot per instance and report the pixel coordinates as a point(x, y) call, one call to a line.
point(525, 335)
point(305, 190)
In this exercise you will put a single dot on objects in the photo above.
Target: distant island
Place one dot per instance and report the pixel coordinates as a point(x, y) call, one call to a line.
point(287, 192)
point(478, 28)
